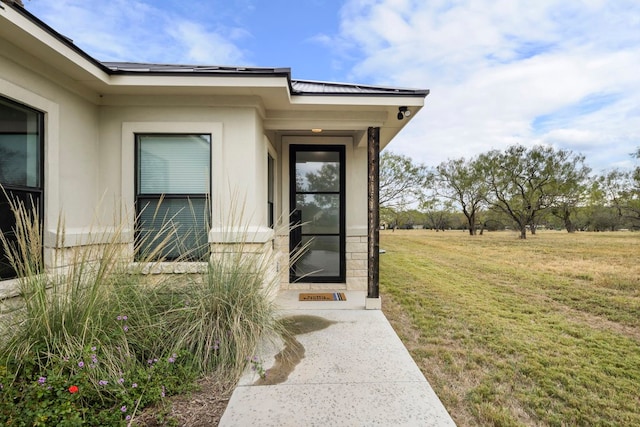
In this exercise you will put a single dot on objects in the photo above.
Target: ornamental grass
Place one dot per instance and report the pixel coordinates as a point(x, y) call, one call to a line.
point(94, 340)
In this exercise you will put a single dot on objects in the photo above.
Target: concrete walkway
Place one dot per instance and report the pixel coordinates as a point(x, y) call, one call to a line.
point(355, 371)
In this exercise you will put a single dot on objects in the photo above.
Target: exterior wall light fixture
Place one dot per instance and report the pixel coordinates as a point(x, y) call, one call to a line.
point(403, 112)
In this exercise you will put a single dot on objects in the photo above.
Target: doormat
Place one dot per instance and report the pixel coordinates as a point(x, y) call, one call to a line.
point(324, 296)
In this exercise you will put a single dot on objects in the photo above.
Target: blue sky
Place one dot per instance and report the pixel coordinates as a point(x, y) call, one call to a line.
point(560, 72)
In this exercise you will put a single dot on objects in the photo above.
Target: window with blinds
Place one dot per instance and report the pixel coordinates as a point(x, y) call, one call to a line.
point(173, 175)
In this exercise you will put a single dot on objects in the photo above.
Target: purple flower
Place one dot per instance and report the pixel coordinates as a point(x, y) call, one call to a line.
point(125, 328)
point(119, 318)
point(127, 418)
point(93, 349)
point(124, 317)
point(42, 380)
point(134, 385)
point(81, 364)
point(103, 382)
point(120, 380)
point(162, 393)
point(123, 409)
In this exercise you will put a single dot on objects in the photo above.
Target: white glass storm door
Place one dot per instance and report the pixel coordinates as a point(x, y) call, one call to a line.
point(21, 168)
point(317, 201)
point(173, 172)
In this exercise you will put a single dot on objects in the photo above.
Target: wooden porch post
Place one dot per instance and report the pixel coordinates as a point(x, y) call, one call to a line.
point(373, 237)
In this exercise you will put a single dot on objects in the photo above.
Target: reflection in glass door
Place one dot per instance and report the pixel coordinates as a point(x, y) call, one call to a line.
point(317, 213)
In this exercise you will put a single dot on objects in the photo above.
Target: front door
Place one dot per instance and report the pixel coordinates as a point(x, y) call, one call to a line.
point(317, 239)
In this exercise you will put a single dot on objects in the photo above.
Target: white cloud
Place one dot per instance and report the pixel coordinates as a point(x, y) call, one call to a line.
point(120, 30)
point(495, 67)
point(203, 46)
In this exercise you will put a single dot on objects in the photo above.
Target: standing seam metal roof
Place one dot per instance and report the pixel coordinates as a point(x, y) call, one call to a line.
point(298, 87)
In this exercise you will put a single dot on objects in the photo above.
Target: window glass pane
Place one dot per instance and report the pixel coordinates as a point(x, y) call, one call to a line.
point(270, 190)
point(182, 224)
point(8, 222)
point(20, 137)
point(320, 213)
point(317, 171)
point(321, 257)
point(174, 164)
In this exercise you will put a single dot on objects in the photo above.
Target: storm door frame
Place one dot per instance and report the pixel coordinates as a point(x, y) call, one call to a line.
point(296, 234)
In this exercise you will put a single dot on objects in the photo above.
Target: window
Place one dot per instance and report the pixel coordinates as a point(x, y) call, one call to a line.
point(21, 167)
point(173, 173)
point(270, 190)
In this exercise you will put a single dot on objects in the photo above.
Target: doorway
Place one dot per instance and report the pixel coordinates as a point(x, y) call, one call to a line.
point(317, 202)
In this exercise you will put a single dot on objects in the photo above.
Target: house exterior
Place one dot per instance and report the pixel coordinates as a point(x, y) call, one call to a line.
point(227, 152)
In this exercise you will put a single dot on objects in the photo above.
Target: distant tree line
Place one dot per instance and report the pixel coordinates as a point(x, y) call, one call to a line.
point(520, 188)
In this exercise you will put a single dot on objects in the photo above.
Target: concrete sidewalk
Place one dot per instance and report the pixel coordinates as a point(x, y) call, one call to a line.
point(355, 371)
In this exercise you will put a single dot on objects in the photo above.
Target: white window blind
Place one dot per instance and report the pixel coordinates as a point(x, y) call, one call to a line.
point(174, 164)
point(173, 175)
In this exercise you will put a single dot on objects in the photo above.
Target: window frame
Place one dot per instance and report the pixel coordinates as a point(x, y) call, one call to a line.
point(172, 196)
point(26, 190)
point(271, 190)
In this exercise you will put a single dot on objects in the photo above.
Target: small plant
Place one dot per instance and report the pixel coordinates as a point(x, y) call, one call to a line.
point(257, 366)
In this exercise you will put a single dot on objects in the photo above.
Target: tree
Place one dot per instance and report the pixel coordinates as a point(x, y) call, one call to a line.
point(437, 214)
point(572, 190)
point(621, 191)
point(401, 182)
point(526, 183)
point(462, 182)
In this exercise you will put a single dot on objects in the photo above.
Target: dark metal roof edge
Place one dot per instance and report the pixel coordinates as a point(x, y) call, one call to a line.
point(60, 37)
point(195, 70)
point(384, 90)
point(422, 93)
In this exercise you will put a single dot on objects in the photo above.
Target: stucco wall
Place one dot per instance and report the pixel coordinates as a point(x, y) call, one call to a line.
point(71, 140)
point(238, 158)
point(89, 161)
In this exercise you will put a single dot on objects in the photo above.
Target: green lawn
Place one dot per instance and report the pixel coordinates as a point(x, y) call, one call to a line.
point(544, 331)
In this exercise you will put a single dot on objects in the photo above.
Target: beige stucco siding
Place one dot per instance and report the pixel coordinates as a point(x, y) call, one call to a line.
point(238, 158)
point(71, 143)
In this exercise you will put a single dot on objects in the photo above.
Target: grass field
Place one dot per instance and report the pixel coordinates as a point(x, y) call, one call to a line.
point(544, 331)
